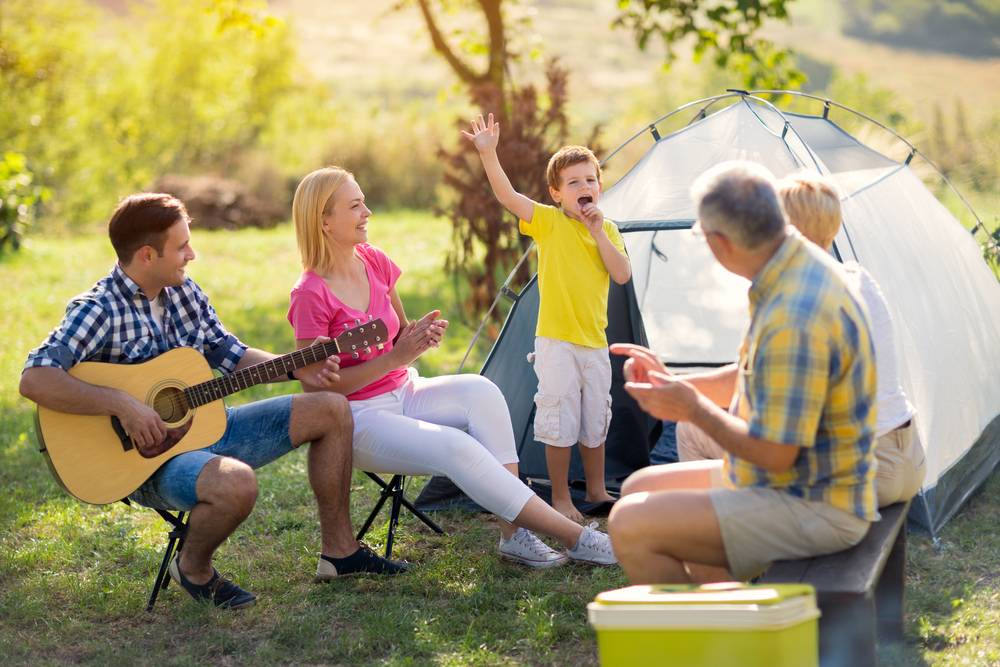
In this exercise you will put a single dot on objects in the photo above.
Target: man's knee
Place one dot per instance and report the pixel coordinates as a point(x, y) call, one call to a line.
point(229, 482)
point(317, 414)
point(338, 411)
point(627, 524)
point(632, 484)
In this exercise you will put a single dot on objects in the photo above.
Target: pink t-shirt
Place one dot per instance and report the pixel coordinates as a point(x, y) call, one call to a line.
point(316, 311)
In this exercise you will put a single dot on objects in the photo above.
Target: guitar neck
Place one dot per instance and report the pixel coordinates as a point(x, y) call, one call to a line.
point(267, 371)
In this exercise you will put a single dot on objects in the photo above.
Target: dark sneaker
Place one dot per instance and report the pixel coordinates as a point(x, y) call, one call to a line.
point(362, 561)
point(220, 592)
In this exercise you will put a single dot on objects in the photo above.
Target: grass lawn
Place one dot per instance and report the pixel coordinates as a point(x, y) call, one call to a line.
point(74, 577)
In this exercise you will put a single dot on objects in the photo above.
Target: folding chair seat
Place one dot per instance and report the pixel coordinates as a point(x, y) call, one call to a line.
point(393, 489)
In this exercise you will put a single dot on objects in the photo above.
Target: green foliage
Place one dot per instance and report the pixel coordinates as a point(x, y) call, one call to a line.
point(725, 31)
point(103, 105)
point(20, 198)
point(965, 27)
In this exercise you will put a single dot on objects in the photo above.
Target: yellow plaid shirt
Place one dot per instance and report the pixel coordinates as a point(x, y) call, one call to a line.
point(807, 378)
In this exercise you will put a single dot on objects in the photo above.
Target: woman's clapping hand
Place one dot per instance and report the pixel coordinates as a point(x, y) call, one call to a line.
point(418, 336)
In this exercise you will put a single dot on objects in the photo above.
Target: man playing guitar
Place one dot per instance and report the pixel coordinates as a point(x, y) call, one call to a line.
point(145, 307)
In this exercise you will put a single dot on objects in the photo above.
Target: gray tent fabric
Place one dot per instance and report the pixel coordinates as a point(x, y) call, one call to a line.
point(631, 433)
point(944, 300)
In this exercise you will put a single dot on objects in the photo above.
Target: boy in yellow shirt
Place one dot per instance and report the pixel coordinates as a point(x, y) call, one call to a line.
point(578, 251)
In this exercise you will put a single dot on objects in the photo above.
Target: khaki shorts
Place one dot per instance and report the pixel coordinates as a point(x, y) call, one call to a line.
point(693, 444)
point(573, 403)
point(901, 465)
point(761, 525)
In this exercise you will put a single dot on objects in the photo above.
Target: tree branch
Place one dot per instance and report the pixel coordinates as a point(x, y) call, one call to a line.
point(498, 41)
point(463, 71)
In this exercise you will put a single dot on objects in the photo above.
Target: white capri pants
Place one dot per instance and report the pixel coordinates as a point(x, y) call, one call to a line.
point(452, 425)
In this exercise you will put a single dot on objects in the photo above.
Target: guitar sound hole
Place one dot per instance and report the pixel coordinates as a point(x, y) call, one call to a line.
point(170, 404)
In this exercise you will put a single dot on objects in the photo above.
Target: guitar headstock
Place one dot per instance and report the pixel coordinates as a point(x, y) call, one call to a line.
point(364, 336)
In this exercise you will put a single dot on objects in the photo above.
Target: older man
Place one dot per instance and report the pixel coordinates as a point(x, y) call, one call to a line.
point(797, 476)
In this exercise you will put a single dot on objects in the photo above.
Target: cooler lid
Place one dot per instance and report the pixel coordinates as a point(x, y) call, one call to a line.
point(729, 592)
point(728, 606)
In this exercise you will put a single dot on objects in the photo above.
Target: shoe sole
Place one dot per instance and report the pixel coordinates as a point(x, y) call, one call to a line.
point(533, 564)
point(592, 562)
point(322, 579)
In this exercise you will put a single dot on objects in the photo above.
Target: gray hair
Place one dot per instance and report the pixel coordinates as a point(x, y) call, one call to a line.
point(739, 199)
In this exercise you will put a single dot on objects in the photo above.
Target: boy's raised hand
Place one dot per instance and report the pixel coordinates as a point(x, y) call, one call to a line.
point(485, 134)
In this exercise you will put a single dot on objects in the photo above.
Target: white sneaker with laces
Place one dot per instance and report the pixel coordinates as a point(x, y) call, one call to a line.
point(525, 548)
point(593, 547)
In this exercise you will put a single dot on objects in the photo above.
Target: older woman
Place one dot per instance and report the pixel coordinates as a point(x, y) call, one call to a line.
point(456, 425)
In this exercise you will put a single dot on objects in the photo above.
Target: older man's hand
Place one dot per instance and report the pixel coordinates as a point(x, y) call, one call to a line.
point(640, 363)
point(665, 396)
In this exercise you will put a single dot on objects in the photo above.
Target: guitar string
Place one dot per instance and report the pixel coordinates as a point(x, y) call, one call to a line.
point(177, 401)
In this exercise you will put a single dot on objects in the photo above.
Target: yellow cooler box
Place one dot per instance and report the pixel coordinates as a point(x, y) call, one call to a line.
point(715, 625)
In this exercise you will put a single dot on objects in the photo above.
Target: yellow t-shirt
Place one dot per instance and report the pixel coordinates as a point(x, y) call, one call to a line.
point(572, 279)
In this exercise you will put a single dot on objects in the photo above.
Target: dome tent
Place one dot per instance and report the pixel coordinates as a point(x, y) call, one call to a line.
point(943, 298)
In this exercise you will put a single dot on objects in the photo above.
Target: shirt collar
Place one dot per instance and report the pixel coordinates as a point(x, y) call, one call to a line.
point(126, 286)
point(768, 278)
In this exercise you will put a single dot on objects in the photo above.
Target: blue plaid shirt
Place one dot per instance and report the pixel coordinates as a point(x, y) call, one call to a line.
point(113, 322)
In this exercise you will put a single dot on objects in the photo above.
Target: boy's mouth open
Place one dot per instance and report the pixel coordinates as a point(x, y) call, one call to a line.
point(584, 200)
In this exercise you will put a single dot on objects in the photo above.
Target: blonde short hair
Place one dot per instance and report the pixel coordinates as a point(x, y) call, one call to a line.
point(567, 156)
point(314, 199)
point(812, 204)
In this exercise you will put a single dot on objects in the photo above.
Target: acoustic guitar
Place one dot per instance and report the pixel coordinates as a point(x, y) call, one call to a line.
point(95, 459)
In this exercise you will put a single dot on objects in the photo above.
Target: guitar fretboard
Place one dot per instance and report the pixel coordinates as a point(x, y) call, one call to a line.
point(267, 371)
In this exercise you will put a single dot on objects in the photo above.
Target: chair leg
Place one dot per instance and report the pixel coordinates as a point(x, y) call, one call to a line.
point(393, 489)
point(397, 497)
point(429, 522)
point(175, 540)
point(386, 493)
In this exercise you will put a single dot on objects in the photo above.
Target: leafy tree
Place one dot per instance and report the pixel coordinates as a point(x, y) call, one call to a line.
point(724, 30)
point(20, 198)
point(534, 126)
point(485, 245)
point(104, 104)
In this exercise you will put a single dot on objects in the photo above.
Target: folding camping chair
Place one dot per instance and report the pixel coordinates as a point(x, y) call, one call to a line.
point(394, 489)
point(177, 527)
point(177, 524)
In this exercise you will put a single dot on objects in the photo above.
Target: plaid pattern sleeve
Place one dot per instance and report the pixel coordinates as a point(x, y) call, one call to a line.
point(222, 349)
point(82, 334)
point(788, 387)
point(114, 323)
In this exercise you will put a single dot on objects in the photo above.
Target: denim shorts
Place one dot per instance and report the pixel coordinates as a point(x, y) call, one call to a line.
point(256, 434)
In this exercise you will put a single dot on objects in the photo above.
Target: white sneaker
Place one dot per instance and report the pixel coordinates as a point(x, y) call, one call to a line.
point(525, 548)
point(593, 547)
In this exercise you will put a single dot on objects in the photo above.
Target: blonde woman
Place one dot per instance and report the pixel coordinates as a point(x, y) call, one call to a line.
point(456, 425)
point(813, 206)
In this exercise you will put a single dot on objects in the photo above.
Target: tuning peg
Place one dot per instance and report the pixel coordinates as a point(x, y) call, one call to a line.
point(354, 347)
point(355, 355)
point(368, 350)
point(380, 346)
point(357, 321)
point(346, 325)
